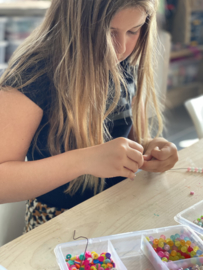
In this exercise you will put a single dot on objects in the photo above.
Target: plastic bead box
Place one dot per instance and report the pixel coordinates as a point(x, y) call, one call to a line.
point(187, 216)
point(130, 250)
point(177, 264)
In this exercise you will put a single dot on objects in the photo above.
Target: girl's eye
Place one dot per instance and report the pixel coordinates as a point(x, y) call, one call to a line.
point(133, 33)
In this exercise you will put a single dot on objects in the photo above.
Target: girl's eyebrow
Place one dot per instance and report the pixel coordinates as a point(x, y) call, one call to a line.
point(131, 28)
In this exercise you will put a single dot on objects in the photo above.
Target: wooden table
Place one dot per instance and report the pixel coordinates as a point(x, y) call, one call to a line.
point(150, 201)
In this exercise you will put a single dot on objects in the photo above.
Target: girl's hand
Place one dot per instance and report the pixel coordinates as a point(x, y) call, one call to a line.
point(160, 156)
point(119, 157)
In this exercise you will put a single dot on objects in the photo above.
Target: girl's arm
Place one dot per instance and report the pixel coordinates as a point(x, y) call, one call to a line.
point(20, 180)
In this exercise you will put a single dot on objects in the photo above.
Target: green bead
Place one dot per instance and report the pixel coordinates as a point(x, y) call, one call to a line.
point(68, 256)
point(71, 262)
point(82, 257)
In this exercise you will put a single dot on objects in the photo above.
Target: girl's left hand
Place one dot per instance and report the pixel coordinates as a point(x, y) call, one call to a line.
point(160, 156)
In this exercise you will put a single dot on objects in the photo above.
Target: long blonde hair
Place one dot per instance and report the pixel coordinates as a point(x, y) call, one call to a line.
point(75, 44)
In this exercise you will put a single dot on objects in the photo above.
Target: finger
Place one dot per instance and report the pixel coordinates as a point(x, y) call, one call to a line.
point(128, 173)
point(162, 154)
point(135, 156)
point(153, 166)
point(131, 165)
point(136, 146)
point(147, 157)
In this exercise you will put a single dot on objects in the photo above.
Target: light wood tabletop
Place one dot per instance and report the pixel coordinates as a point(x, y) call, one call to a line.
point(150, 201)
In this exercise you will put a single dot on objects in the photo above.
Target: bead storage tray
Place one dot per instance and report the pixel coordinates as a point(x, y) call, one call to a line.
point(187, 216)
point(171, 265)
point(129, 250)
point(125, 250)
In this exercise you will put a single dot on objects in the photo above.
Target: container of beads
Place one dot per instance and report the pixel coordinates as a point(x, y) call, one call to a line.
point(125, 250)
point(173, 248)
point(192, 217)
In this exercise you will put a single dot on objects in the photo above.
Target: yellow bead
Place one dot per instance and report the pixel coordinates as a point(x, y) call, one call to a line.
point(182, 242)
point(177, 243)
point(95, 256)
point(195, 248)
point(161, 244)
point(176, 258)
point(167, 240)
point(173, 253)
point(184, 249)
point(164, 259)
point(193, 253)
point(73, 258)
point(147, 238)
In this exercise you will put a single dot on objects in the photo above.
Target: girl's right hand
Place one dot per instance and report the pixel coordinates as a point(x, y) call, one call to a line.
point(119, 157)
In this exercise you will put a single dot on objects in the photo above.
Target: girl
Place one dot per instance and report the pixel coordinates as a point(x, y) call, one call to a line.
point(65, 102)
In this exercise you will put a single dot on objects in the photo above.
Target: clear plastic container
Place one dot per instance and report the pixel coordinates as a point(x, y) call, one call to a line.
point(3, 21)
point(187, 216)
point(172, 265)
point(3, 45)
point(130, 250)
point(124, 248)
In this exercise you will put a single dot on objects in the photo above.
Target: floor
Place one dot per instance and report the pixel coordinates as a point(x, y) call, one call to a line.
point(179, 127)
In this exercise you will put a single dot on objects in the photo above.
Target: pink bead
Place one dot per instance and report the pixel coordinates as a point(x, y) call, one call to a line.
point(159, 249)
point(192, 192)
point(163, 237)
point(161, 254)
point(88, 254)
point(202, 170)
point(151, 238)
point(196, 169)
point(166, 247)
point(167, 254)
point(86, 262)
point(188, 169)
point(175, 248)
point(192, 245)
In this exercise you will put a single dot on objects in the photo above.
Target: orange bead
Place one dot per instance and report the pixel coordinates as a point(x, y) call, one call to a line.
point(170, 243)
point(156, 241)
point(188, 243)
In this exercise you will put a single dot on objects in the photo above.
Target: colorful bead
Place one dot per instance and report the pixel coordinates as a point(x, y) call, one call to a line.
point(90, 261)
point(178, 247)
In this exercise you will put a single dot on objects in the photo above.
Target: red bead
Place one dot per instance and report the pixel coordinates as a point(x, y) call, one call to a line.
point(190, 249)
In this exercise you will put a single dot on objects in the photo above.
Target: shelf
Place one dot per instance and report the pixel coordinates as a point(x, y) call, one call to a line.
point(185, 52)
point(179, 95)
point(24, 8)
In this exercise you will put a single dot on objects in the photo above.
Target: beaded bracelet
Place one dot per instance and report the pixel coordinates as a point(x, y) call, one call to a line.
point(189, 169)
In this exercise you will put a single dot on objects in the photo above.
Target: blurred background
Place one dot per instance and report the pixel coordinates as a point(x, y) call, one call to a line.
point(179, 73)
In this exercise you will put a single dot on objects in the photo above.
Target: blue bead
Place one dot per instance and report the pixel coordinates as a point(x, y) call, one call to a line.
point(177, 235)
point(199, 252)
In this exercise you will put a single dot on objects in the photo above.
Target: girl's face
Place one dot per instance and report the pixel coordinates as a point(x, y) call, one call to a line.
point(125, 30)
